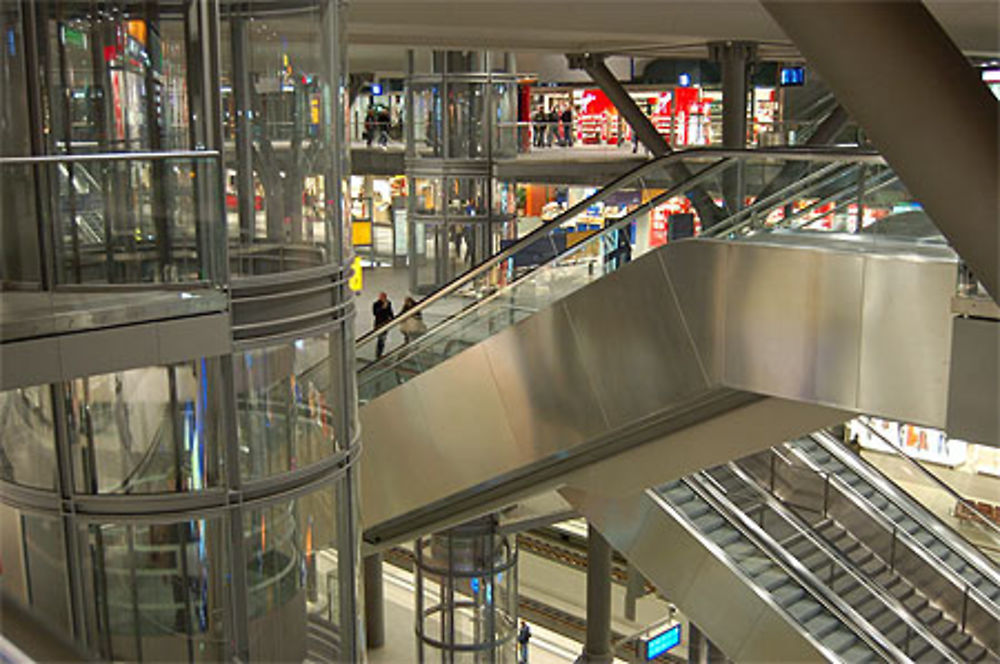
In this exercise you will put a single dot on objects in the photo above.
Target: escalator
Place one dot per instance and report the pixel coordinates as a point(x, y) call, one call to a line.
point(774, 542)
point(582, 368)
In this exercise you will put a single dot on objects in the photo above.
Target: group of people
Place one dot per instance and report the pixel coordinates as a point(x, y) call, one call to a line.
point(382, 312)
point(377, 122)
point(546, 126)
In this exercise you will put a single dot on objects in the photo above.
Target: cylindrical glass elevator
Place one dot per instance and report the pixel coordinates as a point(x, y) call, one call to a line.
point(205, 508)
point(462, 111)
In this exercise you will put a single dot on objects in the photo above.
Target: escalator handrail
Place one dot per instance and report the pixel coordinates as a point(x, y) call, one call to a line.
point(804, 529)
point(810, 154)
point(916, 465)
point(744, 217)
point(915, 511)
point(908, 540)
point(795, 569)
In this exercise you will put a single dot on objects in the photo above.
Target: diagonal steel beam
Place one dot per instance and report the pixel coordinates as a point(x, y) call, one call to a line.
point(594, 65)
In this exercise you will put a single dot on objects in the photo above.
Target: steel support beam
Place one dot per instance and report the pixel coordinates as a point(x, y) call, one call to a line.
point(735, 59)
point(897, 52)
point(793, 170)
point(594, 65)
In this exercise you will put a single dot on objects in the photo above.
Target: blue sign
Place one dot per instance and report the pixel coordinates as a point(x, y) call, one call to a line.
point(684, 80)
point(792, 76)
point(376, 89)
point(663, 642)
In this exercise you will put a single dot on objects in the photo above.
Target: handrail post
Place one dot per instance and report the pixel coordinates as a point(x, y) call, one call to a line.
point(965, 606)
point(774, 458)
point(892, 550)
point(826, 494)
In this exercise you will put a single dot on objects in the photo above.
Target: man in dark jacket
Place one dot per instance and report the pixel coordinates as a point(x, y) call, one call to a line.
point(567, 123)
point(382, 311)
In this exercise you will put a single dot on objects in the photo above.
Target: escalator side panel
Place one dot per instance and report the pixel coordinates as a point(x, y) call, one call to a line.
point(738, 618)
point(866, 327)
point(574, 376)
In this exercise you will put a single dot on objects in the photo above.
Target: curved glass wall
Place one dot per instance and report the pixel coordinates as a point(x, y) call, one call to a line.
point(462, 108)
point(282, 101)
point(203, 509)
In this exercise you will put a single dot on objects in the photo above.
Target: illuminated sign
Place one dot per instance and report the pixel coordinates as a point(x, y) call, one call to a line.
point(792, 76)
point(655, 646)
point(684, 80)
point(376, 89)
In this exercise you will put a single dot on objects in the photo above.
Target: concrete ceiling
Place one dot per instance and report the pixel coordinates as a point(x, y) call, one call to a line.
point(650, 28)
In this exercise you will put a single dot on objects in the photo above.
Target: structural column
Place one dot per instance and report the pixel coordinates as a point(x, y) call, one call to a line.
point(735, 59)
point(374, 602)
point(597, 649)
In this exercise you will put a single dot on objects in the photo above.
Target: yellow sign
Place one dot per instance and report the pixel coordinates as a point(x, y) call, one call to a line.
point(354, 283)
point(361, 233)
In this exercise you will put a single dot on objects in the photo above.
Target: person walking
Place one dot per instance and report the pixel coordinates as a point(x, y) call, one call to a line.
point(567, 124)
point(382, 311)
point(523, 636)
point(369, 133)
point(552, 120)
point(413, 326)
point(538, 127)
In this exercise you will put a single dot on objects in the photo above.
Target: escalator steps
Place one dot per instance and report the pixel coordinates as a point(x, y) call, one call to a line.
point(928, 615)
point(788, 595)
point(839, 641)
point(821, 625)
point(897, 633)
point(804, 610)
point(755, 566)
point(771, 580)
point(708, 523)
point(859, 653)
point(727, 538)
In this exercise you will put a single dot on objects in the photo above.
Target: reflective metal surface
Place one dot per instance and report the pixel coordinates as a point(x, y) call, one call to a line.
point(974, 384)
point(787, 315)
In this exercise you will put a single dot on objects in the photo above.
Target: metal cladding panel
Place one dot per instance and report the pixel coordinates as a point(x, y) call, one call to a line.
point(793, 322)
point(396, 441)
point(694, 269)
point(974, 387)
point(633, 343)
point(637, 528)
point(906, 339)
point(426, 440)
point(547, 396)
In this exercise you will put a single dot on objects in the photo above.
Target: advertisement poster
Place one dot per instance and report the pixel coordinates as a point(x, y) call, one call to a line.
point(922, 443)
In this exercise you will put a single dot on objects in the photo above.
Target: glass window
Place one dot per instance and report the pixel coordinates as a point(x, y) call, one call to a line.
point(156, 591)
point(34, 564)
point(148, 430)
point(292, 576)
point(276, 77)
point(27, 437)
point(286, 396)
